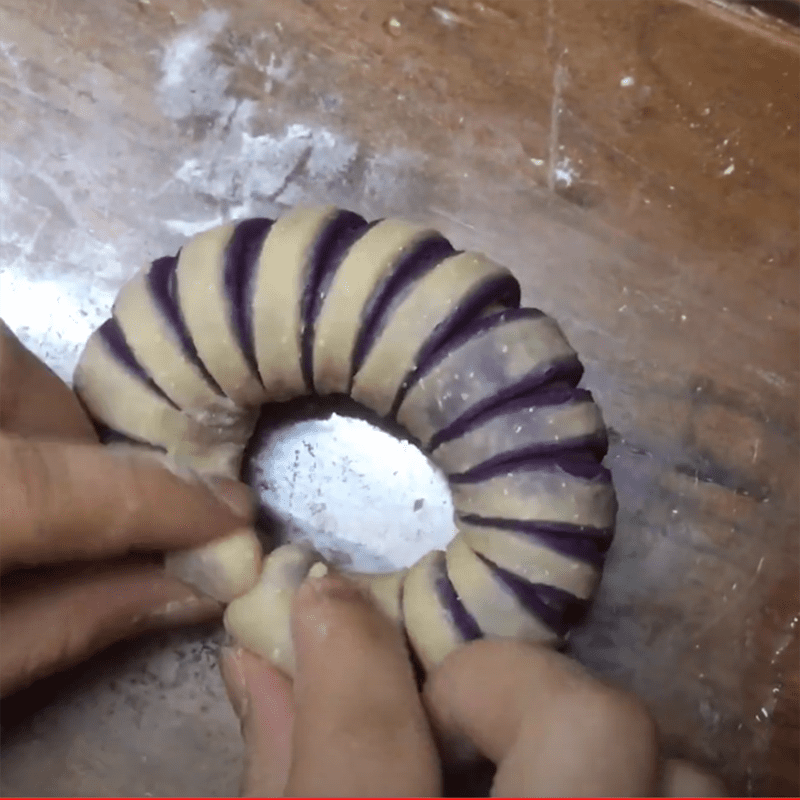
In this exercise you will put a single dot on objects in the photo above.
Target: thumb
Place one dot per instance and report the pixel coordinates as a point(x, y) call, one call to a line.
point(360, 729)
point(262, 699)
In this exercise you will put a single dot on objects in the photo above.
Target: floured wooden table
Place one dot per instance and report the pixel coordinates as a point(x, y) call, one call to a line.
point(635, 164)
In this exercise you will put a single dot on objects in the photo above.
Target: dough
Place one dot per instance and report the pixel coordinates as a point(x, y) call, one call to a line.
point(212, 290)
point(435, 617)
point(422, 319)
point(496, 607)
point(366, 268)
point(536, 557)
point(497, 358)
point(260, 619)
point(389, 312)
point(151, 324)
point(118, 393)
point(289, 268)
point(570, 490)
point(535, 425)
point(225, 569)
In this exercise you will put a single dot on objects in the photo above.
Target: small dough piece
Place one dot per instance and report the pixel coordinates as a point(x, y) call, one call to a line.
point(223, 569)
point(209, 315)
point(520, 553)
point(261, 619)
point(122, 401)
point(436, 621)
point(504, 356)
point(279, 285)
point(494, 607)
point(156, 346)
point(437, 302)
point(369, 262)
point(562, 418)
point(543, 491)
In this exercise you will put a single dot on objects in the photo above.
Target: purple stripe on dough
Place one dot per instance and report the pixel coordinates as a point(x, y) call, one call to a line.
point(578, 463)
point(568, 370)
point(558, 609)
point(338, 236)
point(240, 263)
point(112, 335)
point(594, 446)
point(502, 289)
point(473, 328)
point(578, 541)
point(162, 283)
point(465, 623)
point(422, 258)
point(551, 394)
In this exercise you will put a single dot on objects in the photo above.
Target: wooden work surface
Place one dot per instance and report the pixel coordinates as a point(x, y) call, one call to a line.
point(635, 163)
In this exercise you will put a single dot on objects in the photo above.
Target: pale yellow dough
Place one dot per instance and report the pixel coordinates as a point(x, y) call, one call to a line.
point(278, 290)
point(202, 298)
point(126, 404)
point(369, 261)
point(430, 302)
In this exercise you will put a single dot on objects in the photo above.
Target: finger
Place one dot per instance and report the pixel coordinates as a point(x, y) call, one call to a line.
point(683, 779)
point(551, 728)
point(262, 698)
point(63, 501)
point(359, 724)
point(62, 622)
point(34, 401)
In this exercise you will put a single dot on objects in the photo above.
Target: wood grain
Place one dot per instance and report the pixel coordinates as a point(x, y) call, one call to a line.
point(637, 165)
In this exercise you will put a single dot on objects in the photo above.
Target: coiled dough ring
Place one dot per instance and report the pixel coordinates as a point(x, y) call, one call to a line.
point(321, 301)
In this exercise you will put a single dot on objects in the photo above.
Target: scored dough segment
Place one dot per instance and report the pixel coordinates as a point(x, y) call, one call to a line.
point(279, 284)
point(507, 354)
point(321, 301)
point(156, 346)
point(125, 404)
point(432, 308)
point(209, 315)
point(534, 425)
point(369, 261)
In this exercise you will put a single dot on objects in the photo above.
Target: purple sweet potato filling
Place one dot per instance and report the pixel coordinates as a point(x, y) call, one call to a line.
point(163, 286)
point(558, 609)
point(338, 236)
point(465, 623)
point(497, 289)
point(112, 335)
point(421, 259)
point(240, 263)
point(574, 541)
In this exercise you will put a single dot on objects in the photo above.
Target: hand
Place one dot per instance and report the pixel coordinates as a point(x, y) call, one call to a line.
point(71, 512)
point(354, 723)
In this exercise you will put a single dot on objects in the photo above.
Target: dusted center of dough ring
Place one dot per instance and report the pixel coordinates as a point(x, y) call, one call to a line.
point(321, 302)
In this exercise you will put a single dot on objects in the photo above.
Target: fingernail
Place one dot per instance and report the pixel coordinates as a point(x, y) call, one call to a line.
point(237, 496)
point(233, 676)
point(186, 608)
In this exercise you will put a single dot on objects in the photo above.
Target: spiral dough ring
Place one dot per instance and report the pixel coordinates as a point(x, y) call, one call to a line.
point(322, 302)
